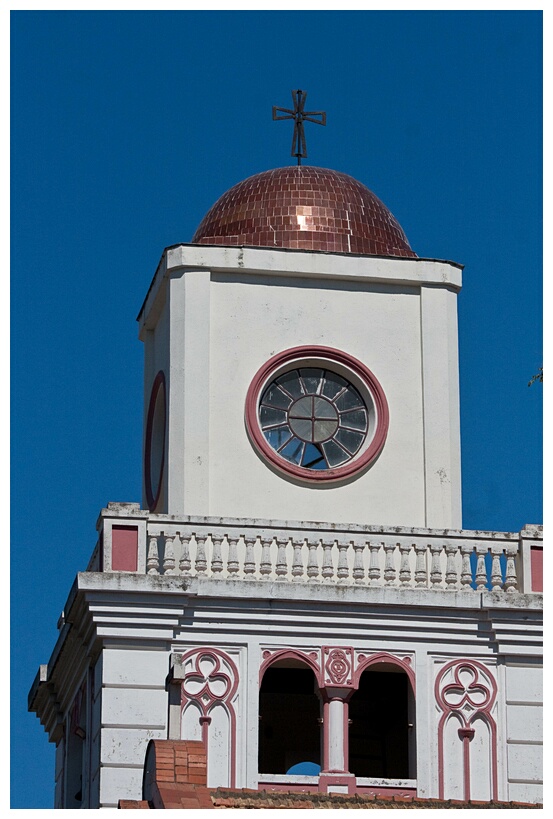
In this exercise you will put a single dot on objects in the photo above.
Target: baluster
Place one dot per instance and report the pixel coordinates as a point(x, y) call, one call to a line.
point(343, 568)
point(466, 569)
point(177, 548)
point(497, 580)
point(297, 562)
point(358, 568)
point(435, 566)
point(281, 565)
point(217, 557)
point(328, 567)
point(405, 566)
point(265, 567)
point(185, 564)
point(421, 579)
point(152, 563)
point(389, 568)
point(312, 562)
point(233, 566)
point(201, 561)
point(451, 569)
point(374, 565)
point(510, 571)
point(481, 550)
point(169, 555)
point(249, 559)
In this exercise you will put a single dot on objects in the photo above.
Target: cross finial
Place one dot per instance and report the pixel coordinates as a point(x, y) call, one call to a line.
point(299, 116)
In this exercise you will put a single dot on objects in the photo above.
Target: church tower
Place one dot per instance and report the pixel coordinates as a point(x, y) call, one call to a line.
point(302, 348)
point(295, 590)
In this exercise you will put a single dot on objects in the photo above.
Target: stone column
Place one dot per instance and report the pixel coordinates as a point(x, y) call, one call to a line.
point(335, 734)
point(337, 689)
point(335, 777)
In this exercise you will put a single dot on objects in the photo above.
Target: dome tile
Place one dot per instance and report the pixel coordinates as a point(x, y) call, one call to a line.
point(306, 208)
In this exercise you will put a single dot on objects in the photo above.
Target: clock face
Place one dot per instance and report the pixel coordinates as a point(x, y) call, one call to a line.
point(154, 453)
point(313, 418)
point(317, 413)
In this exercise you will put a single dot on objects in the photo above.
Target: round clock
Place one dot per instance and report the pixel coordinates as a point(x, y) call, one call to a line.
point(317, 413)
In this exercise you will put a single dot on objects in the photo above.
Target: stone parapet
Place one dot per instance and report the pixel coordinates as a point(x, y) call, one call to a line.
point(304, 552)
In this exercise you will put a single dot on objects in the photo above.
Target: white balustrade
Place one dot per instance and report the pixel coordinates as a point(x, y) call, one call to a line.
point(407, 559)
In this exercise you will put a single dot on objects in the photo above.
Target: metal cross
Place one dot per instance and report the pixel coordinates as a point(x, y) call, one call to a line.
point(299, 116)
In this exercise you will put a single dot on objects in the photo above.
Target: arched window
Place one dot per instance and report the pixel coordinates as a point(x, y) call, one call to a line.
point(289, 720)
point(382, 724)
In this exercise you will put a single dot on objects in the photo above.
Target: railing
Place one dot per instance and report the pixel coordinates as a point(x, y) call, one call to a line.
point(301, 558)
point(314, 554)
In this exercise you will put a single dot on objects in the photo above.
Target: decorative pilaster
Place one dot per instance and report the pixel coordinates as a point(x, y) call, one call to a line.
point(209, 679)
point(465, 691)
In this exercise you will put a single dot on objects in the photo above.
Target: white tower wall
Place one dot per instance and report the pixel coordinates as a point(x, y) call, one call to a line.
point(218, 314)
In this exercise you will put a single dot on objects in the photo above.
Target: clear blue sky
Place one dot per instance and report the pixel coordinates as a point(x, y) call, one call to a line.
point(127, 126)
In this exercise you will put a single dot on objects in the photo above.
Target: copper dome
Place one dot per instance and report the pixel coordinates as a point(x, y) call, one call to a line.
point(307, 208)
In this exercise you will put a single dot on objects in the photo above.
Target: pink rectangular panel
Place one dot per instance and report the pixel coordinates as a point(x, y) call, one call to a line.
point(124, 548)
point(536, 562)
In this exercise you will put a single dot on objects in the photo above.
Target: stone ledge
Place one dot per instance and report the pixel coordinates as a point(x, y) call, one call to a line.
point(319, 592)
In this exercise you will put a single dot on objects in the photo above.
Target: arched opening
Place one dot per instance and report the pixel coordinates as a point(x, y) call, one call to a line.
point(382, 724)
point(289, 720)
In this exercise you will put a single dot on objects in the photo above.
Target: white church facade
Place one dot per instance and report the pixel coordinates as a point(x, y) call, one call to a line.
point(296, 590)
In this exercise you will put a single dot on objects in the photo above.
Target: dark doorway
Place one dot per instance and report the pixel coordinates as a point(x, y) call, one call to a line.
point(289, 713)
point(379, 735)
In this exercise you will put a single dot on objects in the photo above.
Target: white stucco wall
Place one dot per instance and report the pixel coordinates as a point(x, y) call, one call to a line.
point(250, 323)
point(258, 619)
point(524, 726)
point(133, 711)
point(215, 315)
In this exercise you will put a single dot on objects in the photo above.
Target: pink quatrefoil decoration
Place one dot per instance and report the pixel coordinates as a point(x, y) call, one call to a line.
point(207, 682)
point(467, 691)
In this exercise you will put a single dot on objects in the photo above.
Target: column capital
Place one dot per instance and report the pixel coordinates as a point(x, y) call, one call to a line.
point(337, 692)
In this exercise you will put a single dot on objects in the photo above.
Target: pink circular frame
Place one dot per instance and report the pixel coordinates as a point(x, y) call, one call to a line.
point(294, 356)
point(159, 383)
